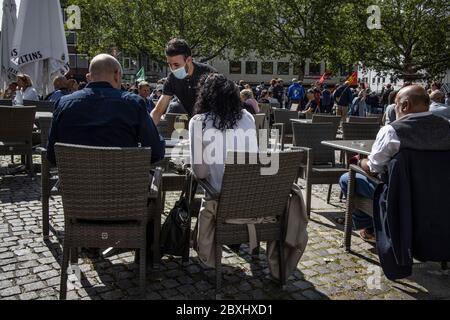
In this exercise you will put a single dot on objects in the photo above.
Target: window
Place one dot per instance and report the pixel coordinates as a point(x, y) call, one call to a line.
point(373, 80)
point(267, 68)
point(283, 68)
point(314, 69)
point(82, 61)
point(235, 67)
point(298, 69)
point(127, 63)
point(251, 67)
point(71, 38)
point(73, 61)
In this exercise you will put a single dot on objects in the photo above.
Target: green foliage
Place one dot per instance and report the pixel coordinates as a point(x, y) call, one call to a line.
point(143, 26)
point(414, 37)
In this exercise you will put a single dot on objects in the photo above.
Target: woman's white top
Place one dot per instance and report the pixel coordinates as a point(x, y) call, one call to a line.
point(209, 146)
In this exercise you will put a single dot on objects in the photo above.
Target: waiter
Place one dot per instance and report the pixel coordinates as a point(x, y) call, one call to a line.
point(184, 79)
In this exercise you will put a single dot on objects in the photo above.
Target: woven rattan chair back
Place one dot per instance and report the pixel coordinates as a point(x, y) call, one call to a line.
point(285, 117)
point(16, 124)
point(247, 193)
point(265, 108)
point(335, 120)
point(353, 119)
point(104, 184)
point(311, 135)
point(360, 131)
point(260, 120)
point(275, 105)
point(5, 102)
point(41, 106)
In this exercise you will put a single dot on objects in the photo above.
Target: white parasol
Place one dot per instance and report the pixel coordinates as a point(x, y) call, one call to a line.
point(9, 20)
point(39, 46)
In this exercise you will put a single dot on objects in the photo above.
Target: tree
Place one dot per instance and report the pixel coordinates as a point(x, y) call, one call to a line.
point(299, 29)
point(144, 26)
point(413, 41)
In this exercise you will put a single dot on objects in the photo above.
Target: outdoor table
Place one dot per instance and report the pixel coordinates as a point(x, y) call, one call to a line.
point(362, 147)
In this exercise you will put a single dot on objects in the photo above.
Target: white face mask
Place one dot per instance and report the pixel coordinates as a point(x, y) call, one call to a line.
point(180, 73)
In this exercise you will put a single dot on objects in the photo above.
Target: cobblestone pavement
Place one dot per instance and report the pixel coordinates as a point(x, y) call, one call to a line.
point(30, 268)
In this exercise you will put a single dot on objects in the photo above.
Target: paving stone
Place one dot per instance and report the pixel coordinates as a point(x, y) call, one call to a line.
point(48, 274)
point(29, 296)
point(170, 284)
point(312, 295)
point(34, 286)
point(29, 268)
point(5, 284)
point(10, 291)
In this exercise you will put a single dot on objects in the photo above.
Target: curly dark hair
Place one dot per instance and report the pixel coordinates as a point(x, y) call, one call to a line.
point(219, 99)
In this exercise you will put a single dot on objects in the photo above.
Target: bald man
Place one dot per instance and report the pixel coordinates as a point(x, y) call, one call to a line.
point(102, 115)
point(60, 85)
point(416, 128)
point(438, 106)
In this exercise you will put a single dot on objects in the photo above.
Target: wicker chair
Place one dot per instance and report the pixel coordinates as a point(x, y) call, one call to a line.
point(167, 126)
point(267, 110)
point(247, 194)
point(360, 131)
point(335, 120)
point(378, 116)
point(283, 123)
point(6, 102)
point(107, 201)
point(260, 122)
point(320, 165)
point(356, 202)
point(49, 176)
point(16, 132)
point(41, 106)
point(353, 119)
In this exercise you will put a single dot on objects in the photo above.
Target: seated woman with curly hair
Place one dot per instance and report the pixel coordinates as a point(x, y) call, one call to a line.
point(220, 125)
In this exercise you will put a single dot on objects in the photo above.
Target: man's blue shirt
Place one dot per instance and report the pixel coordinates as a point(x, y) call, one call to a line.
point(296, 92)
point(102, 116)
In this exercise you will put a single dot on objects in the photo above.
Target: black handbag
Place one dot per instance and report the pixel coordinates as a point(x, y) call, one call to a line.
point(175, 232)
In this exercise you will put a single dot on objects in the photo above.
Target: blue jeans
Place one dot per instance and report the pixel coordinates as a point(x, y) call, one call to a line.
point(365, 188)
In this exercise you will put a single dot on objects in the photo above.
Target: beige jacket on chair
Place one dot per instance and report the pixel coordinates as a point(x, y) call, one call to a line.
point(295, 242)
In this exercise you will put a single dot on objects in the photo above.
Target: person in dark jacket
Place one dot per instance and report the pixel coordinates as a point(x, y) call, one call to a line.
point(343, 97)
point(416, 128)
point(102, 115)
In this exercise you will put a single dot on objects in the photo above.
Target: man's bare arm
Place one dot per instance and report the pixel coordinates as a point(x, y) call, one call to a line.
point(365, 166)
point(160, 108)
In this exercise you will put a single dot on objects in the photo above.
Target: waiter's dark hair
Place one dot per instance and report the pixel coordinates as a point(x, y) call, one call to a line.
point(219, 98)
point(177, 47)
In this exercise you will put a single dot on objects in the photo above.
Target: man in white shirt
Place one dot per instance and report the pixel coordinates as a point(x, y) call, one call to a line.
point(412, 104)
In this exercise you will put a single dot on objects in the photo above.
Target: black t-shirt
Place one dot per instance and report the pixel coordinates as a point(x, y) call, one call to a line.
point(186, 89)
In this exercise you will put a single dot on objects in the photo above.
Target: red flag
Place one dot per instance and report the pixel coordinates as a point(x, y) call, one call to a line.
point(322, 79)
point(353, 80)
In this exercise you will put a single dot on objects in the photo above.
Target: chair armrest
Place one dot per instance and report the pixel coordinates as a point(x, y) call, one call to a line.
point(209, 189)
point(359, 170)
point(280, 127)
point(309, 155)
point(155, 184)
